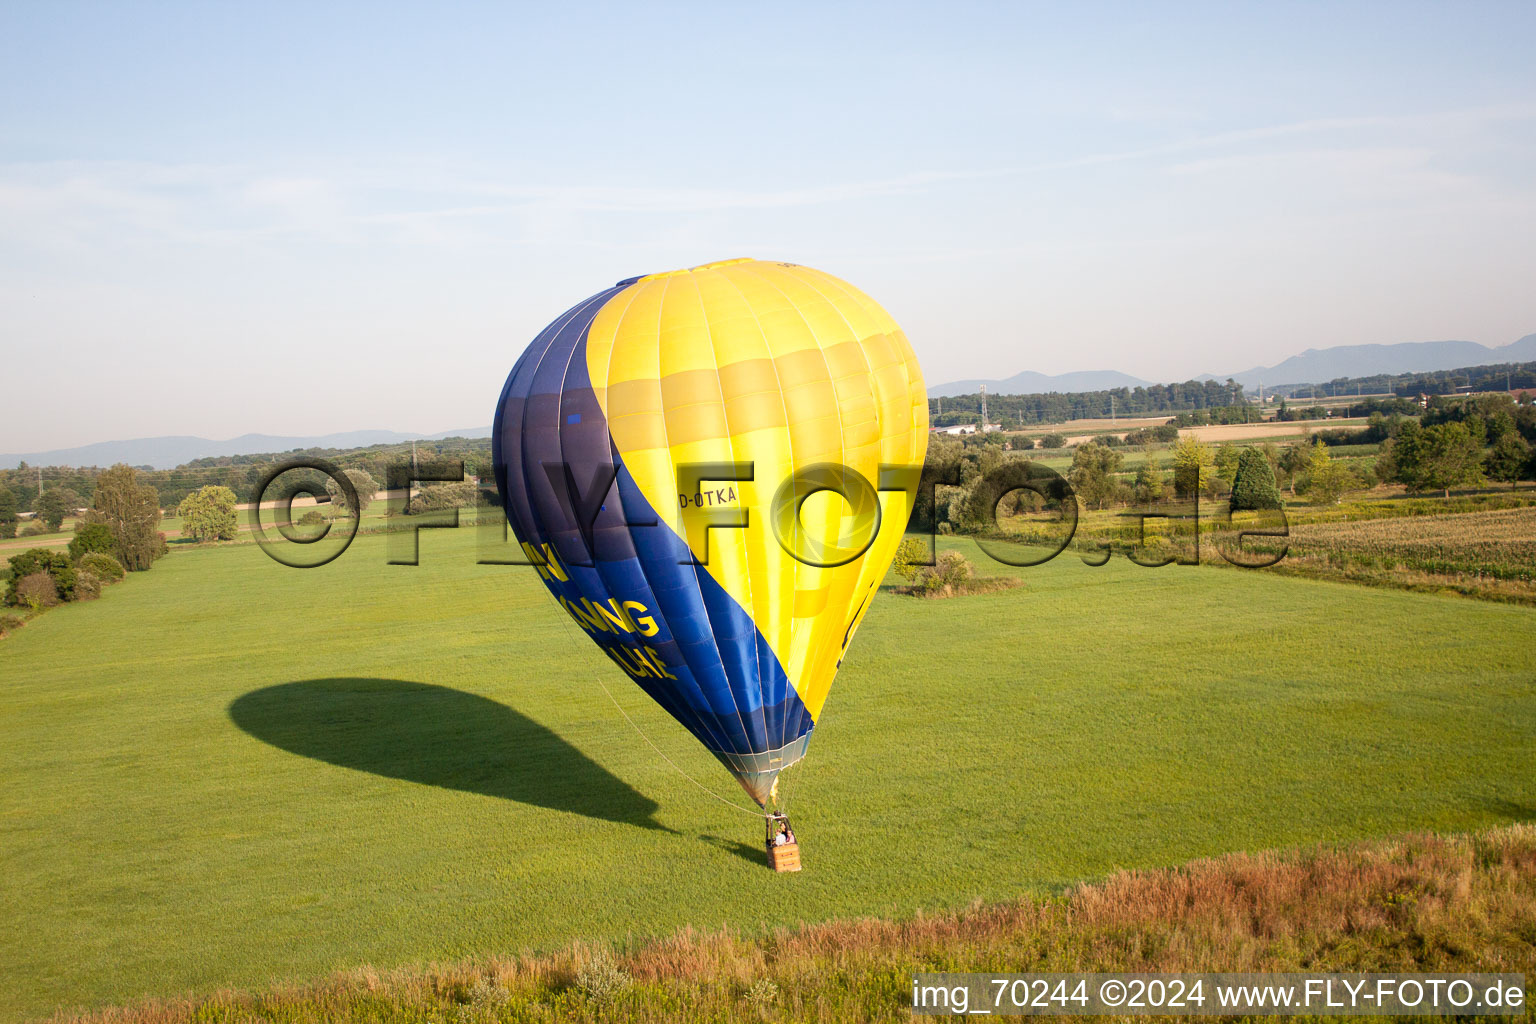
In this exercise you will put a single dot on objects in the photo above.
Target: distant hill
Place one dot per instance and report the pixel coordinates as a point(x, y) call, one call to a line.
point(169, 452)
point(1032, 383)
point(1315, 366)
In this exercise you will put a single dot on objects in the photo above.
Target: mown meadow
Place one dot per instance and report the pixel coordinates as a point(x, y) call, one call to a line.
point(1420, 904)
point(231, 773)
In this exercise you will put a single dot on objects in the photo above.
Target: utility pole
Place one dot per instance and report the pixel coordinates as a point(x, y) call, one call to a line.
point(1111, 407)
point(983, 408)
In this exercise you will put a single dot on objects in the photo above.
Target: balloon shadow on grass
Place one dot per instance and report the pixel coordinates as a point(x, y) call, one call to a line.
point(757, 856)
point(438, 736)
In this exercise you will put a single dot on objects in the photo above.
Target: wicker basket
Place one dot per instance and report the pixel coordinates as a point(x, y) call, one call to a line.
point(784, 858)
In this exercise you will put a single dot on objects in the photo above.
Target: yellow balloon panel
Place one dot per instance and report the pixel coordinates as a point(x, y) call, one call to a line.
point(784, 367)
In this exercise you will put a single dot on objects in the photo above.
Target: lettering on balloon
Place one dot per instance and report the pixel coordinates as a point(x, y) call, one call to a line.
point(707, 499)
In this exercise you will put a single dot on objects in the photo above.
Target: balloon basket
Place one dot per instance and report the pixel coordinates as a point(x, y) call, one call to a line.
point(781, 856)
point(784, 858)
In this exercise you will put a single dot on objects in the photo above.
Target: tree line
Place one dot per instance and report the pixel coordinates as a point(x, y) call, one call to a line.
point(1058, 407)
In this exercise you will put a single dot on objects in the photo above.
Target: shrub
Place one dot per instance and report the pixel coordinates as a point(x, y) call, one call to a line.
point(1052, 441)
point(763, 994)
point(90, 537)
point(435, 497)
point(11, 623)
point(36, 590)
point(87, 586)
point(600, 976)
point(35, 528)
point(53, 564)
point(909, 558)
point(946, 575)
point(103, 566)
point(312, 518)
point(1150, 435)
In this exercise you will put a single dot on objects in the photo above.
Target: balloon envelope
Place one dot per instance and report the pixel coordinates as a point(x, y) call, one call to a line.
point(618, 445)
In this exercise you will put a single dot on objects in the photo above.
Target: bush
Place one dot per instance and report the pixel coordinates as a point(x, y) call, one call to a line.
point(436, 497)
point(1052, 441)
point(34, 528)
point(11, 623)
point(1166, 432)
point(36, 590)
point(600, 976)
point(90, 537)
point(312, 518)
point(53, 564)
point(909, 558)
point(103, 566)
point(946, 575)
point(87, 586)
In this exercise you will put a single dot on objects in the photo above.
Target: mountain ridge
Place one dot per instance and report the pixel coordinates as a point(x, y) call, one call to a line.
point(1311, 366)
point(172, 450)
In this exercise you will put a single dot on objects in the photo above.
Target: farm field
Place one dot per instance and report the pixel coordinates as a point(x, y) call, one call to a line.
point(227, 772)
point(1478, 545)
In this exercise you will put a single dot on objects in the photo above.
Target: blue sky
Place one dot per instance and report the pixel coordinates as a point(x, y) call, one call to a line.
point(224, 218)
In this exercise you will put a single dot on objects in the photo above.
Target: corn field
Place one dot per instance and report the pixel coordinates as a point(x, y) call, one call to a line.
point(1483, 547)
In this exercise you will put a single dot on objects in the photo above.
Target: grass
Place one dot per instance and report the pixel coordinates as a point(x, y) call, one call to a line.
point(226, 772)
point(1420, 904)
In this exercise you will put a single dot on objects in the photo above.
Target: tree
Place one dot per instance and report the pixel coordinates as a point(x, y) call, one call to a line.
point(1052, 441)
point(1404, 459)
point(1294, 461)
point(209, 514)
point(1149, 481)
point(1452, 458)
point(1192, 464)
point(1253, 484)
point(362, 483)
point(1327, 480)
point(7, 512)
point(1227, 456)
point(1092, 474)
point(54, 505)
point(1509, 458)
point(89, 538)
point(130, 511)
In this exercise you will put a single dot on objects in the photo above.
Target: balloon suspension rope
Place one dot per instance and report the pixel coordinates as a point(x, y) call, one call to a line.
point(756, 813)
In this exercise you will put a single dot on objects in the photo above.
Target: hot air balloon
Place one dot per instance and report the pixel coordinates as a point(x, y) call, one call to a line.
point(688, 459)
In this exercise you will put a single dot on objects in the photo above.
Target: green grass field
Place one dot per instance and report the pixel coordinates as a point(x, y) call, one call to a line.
point(226, 772)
